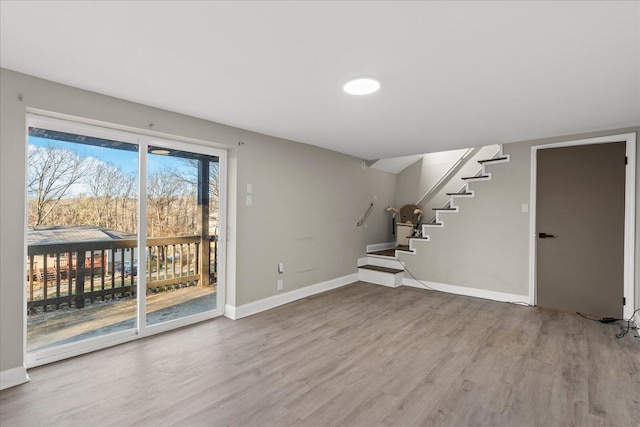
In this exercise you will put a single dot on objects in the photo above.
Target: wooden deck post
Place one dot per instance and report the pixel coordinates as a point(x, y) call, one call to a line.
point(203, 223)
point(80, 267)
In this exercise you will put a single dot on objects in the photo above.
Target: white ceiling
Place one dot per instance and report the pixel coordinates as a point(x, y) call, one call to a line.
point(454, 74)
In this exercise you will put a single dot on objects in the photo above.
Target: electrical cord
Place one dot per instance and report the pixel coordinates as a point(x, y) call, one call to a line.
point(431, 289)
point(624, 331)
point(601, 320)
point(414, 277)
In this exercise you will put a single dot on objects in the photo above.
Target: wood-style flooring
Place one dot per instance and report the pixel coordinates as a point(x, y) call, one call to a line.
point(361, 355)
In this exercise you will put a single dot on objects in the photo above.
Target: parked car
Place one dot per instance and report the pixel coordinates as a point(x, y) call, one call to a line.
point(128, 270)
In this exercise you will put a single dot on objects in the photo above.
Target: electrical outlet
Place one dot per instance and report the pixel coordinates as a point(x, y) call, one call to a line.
point(280, 284)
point(281, 267)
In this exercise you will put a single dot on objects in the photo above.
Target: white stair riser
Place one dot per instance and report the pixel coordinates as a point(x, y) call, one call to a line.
point(381, 278)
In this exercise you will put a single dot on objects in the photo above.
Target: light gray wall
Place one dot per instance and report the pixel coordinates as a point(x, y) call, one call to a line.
point(306, 200)
point(486, 245)
point(306, 204)
point(408, 191)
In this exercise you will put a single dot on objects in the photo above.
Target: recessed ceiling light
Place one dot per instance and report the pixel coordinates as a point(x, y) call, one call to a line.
point(361, 86)
point(160, 151)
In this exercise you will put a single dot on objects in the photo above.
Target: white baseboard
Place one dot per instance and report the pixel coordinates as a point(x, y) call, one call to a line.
point(230, 311)
point(469, 292)
point(238, 312)
point(380, 247)
point(13, 377)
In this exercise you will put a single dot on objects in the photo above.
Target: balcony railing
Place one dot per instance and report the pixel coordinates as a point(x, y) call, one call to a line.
point(75, 274)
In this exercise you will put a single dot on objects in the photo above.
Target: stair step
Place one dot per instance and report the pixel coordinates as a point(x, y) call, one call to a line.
point(433, 223)
point(460, 194)
point(380, 275)
point(391, 253)
point(445, 209)
point(381, 269)
point(476, 177)
point(492, 160)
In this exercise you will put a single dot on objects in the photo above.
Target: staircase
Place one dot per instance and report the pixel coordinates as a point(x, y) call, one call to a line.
point(382, 267)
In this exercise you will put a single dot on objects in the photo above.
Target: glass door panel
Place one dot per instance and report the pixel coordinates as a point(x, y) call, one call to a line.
point(182, 223)
point(82, 197)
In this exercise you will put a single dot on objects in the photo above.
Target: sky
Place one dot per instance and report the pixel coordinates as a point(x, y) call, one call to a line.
point(126, 161)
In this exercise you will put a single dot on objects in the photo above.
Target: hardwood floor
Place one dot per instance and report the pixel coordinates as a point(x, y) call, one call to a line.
point(361, 355)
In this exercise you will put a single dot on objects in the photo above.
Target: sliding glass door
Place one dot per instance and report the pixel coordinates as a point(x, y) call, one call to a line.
point(123, 236)
point(182, 233)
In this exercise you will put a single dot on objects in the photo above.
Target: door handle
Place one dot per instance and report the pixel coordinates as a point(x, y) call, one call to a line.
point(545, 236)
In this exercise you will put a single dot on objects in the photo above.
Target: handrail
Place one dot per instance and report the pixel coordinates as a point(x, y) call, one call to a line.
point(47, 248)
point(453, 169)
point(366, 215)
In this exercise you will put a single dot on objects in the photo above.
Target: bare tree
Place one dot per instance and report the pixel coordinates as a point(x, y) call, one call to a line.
point(163, 191)
point(106, 182)
point(51, 173)
point(189, 175)
point(127, 218)
point(109, 198)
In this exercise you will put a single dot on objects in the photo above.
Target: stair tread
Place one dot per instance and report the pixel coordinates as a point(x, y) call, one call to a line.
point(432, 223)
point(381, 269)
point(476, 177)
point(492, 160)
point(459, 194)
point(445, 209)
point(389, 253)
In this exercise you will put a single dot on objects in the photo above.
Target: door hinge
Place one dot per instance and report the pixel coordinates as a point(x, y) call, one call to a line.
point(626, 160)
point(624, 301)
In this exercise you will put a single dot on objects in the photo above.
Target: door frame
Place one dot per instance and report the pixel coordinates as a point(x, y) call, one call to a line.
point(143, 139)
point(629, 213)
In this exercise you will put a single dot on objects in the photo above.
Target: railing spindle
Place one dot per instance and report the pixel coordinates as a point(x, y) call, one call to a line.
point(57, 277)
point(45, 280)
point(31, 274)
point(134, 267)
point(196, 265)
point(103, 272)
point(91, 272)
point(70, 277)
point(113, 268)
